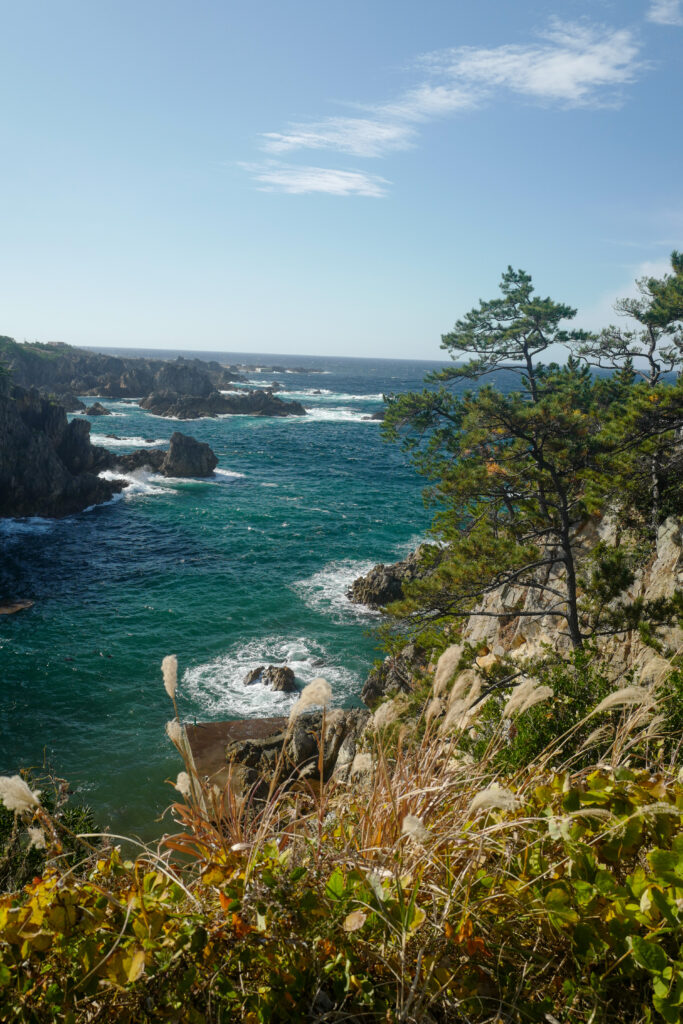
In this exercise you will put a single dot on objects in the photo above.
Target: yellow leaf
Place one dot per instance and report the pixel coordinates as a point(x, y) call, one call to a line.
point(137, 966)
point(419, 917)
point(355, 921)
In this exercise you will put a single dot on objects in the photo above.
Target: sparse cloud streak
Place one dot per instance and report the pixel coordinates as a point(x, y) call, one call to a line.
point(355, 135)
point(294, 180)
point(665, 12)
point(570, 65)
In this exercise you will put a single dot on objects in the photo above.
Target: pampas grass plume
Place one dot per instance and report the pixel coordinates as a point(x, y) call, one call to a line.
point(318, 692)
point(16, 795)
point(174, 731)
point(626, 697)
point(169, 670)
point(182, 784)
point(494, 797)
point(37, 837)
point(413, 826)
point(525, 696)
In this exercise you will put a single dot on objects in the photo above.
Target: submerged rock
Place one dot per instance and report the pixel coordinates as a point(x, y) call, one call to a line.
point(12, 607)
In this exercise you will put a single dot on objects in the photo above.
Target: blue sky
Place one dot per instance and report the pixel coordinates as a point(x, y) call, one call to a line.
point(329, 177)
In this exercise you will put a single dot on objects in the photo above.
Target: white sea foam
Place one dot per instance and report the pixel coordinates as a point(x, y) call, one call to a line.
point(325, 395)
point(325, 590)
point(127, 442)
point(140, 482)
point(228, 475)
point(340, 415)
point(217, 686)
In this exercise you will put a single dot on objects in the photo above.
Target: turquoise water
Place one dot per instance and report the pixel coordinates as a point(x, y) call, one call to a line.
point(248, 568)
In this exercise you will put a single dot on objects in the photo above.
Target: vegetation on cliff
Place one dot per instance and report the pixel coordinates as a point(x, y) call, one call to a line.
point(509, 847)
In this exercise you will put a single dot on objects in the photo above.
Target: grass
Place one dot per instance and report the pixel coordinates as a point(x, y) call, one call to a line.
point(443, 888)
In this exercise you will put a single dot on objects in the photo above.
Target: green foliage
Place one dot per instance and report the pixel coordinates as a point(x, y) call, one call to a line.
point(19, 861)
point(575, 912)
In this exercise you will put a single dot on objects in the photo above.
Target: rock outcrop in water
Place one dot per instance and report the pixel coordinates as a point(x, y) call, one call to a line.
point(186, 457)
point(190, 407)
point(278, 677)
point(384, 583)
point(97, 409)
point(48, 466)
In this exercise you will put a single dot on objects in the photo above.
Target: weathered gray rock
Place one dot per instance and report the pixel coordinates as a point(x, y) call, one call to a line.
point(396, 674)
point(384, 583)
point(47, 465)
point(188, 457)
point(300, 758)
point(280, 678)
point(254, 675)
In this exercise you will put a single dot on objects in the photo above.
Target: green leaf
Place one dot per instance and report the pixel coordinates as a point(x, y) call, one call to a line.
point(648, 954)
point(335, 887)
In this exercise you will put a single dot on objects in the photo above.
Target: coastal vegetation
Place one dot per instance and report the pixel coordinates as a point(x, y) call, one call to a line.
point(507, 845)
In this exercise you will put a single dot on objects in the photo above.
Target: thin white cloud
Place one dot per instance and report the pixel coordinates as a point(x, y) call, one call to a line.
point(356, 135)
point(665, 12)
point(277, 177)
point(572, 65)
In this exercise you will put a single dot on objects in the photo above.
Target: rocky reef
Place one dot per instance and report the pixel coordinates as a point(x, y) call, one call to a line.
point(49, 467)
point(190, 407)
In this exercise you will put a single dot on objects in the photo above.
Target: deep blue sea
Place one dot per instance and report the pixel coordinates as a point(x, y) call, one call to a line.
point(247, 568)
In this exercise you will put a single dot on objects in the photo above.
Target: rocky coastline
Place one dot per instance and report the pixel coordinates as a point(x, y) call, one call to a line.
point(49, 466)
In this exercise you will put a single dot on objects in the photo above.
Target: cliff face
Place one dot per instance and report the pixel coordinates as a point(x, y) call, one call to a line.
point(47, 466)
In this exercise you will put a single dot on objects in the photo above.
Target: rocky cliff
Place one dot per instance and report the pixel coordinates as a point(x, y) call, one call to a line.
point(48, 466)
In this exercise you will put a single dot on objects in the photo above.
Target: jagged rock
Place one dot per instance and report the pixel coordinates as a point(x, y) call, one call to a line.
point(280, 678)
point(396, 674)
point(188, 457)
point(143, 458)
point(384, 583)
point(254, 676)
point(69, 402)
point(301, 757)
point(249, 403)
point(46, 463)
point(97, 409)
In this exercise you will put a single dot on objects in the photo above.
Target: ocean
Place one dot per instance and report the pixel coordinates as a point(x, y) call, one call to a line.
point(247, 568)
